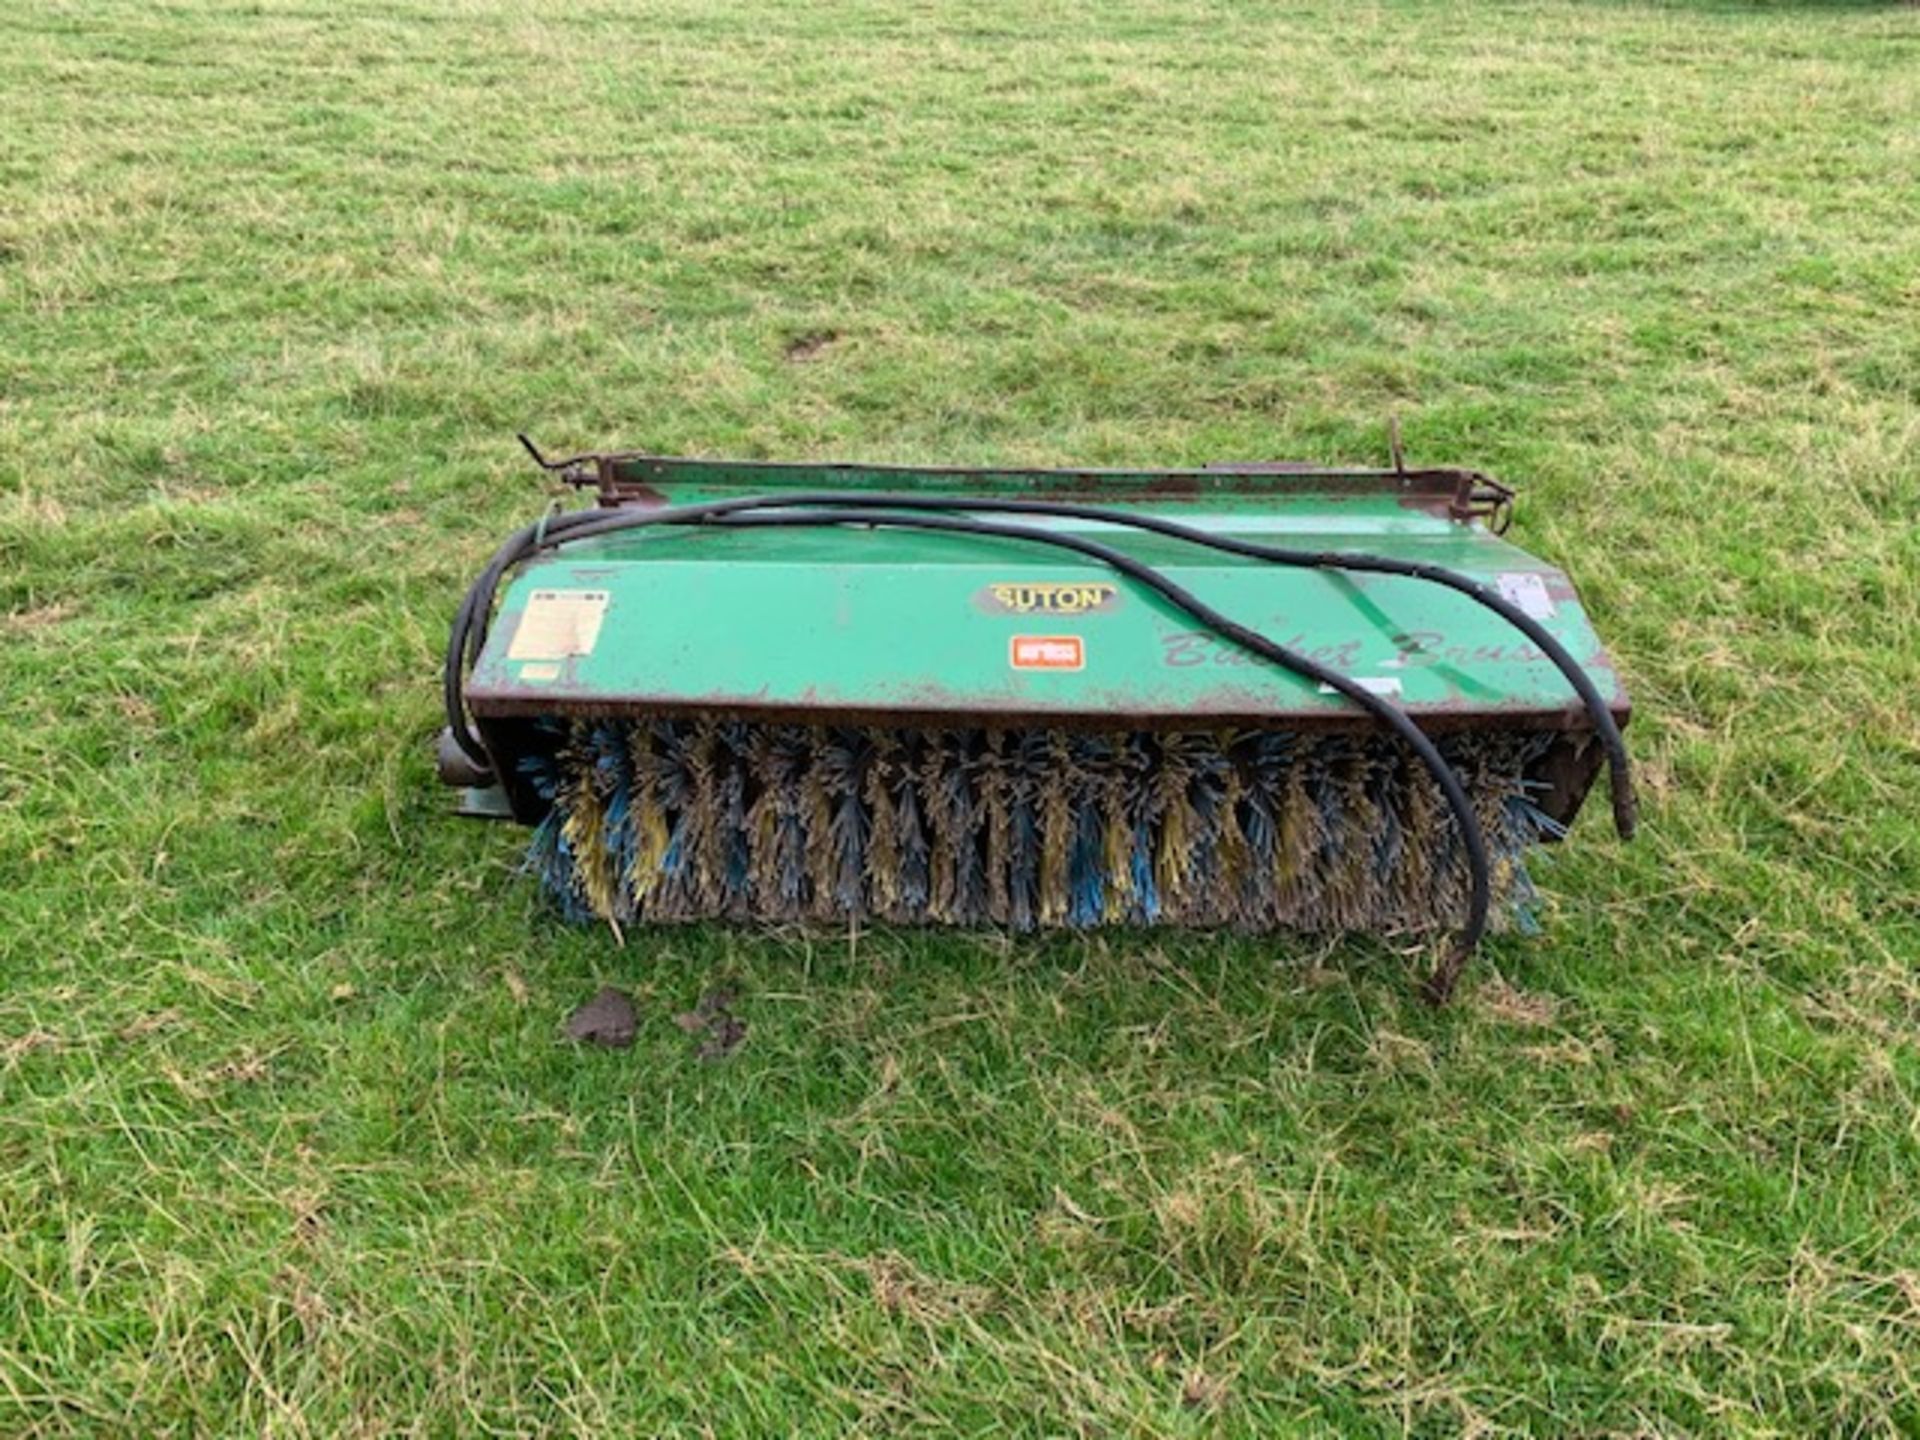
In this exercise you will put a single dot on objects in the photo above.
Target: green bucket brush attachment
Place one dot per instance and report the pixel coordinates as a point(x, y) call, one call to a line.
point(1262, 697)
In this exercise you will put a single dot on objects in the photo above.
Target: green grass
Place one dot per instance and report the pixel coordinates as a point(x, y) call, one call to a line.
point(288, 1143)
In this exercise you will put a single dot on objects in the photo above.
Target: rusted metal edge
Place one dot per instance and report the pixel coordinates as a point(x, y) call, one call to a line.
point(635, 477)
point(1470, 494)
point(516, 704)
point(632, 477)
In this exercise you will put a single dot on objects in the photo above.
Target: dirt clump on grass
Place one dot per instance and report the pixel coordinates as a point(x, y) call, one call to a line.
point(607, 1020)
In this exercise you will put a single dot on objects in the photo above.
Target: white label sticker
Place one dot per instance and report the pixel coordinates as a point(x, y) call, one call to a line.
point(1529, 592)
point(558, 624)
point(1375, 684)
point(540, 670)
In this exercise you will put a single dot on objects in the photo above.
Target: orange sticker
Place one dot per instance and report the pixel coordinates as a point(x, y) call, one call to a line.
point(1047, 652)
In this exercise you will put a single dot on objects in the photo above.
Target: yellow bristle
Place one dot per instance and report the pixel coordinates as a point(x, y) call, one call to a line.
point(883, 841)
point(1056, 825)
point(993, 796)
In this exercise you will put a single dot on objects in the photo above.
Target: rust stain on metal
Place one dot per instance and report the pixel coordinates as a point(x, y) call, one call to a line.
point(631, 477)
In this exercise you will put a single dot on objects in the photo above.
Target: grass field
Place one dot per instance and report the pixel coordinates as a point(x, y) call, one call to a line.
point(288, 1142)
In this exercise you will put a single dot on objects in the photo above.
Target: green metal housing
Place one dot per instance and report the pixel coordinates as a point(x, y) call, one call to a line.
point(880, 626)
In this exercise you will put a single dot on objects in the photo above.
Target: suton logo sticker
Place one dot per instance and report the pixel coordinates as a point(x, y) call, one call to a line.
point(1050, 597)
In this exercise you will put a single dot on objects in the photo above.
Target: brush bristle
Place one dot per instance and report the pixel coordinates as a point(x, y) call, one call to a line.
point(674, 819)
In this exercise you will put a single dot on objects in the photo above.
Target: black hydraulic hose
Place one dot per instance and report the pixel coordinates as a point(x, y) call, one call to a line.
point(579, 524)
point(469, 629)
point(1619, 769)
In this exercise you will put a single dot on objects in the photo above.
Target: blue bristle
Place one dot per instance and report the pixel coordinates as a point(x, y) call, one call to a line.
point(550, 858)
point(1256, 824)
point(1086, 887)
point(1146, 894)
point(1389, 839)
point(1090, 757)
point(1266, 756)
point(737, 854)
point(1205, 794)
point(1534, 823)
point(1140, 755)
point(1527, 825)
point(613, 782)
point(1023, 855)
point(1030, 757)
point(674, 788)
point(943, 788)
point(739, 859)
point(970, 873)
point(542, 769)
